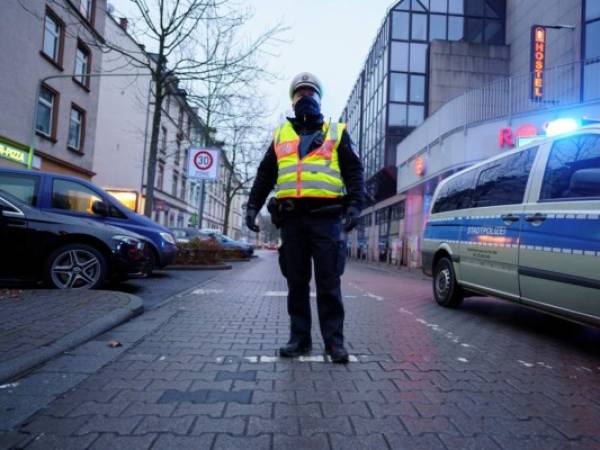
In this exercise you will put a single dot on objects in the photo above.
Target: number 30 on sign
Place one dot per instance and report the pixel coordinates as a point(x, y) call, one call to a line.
point(203, 163)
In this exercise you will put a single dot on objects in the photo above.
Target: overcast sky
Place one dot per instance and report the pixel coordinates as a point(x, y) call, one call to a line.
point(330, 38)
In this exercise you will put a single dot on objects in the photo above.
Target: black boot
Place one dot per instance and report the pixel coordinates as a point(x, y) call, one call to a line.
point(293, 349)
point(338, 354)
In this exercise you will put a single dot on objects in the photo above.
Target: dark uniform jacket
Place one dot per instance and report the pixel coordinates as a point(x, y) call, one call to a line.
point(349, 161)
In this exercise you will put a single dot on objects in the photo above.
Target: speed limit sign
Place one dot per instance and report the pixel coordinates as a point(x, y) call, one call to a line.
point(203, 163)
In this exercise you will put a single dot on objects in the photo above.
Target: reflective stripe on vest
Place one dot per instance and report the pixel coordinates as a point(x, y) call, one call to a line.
point(317, 174)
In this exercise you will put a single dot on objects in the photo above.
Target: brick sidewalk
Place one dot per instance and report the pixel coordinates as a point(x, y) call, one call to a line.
point(34, 319)
point(491, 375)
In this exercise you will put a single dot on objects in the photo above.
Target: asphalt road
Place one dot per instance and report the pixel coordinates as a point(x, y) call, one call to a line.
point(203, 372)
point(164, 284)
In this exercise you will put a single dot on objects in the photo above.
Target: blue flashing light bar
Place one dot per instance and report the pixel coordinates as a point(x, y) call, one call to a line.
point(561, 126)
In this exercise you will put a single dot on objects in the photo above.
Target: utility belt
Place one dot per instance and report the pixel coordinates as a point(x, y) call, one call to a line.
point(292, 207)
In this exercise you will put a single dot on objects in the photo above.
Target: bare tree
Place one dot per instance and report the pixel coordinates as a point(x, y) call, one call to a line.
point(193, 41)
point(244, 145)
point(232, 101)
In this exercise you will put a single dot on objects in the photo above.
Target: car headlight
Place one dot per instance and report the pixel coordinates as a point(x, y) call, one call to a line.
point(168, 237)
point(126, 239)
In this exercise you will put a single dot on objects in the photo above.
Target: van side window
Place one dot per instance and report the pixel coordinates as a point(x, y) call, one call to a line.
point(503, 181)
point(73, 196)
point(456, 194)
point(24, 187)
point(573, 169)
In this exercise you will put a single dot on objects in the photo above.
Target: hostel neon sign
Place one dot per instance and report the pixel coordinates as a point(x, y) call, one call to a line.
point(538, 61)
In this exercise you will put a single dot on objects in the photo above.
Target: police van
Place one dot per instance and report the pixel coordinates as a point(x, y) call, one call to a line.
point(523, 226)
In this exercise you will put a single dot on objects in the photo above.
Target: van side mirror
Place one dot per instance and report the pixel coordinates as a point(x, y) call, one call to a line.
point(585, 183)
point(100, 208)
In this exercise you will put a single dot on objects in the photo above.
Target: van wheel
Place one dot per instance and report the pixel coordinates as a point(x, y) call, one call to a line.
point(445, 289)
point(75, 266)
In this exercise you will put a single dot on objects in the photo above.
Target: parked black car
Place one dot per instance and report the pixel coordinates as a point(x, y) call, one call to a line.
point(64, 251)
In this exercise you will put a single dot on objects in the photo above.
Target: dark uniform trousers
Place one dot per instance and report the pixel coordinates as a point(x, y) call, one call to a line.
point(320, 239)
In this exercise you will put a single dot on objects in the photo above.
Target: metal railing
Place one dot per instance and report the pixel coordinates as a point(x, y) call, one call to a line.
point(564, 85)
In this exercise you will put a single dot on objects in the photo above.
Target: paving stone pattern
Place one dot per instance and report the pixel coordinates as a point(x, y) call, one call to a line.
point(32, 319)
point(490, 375)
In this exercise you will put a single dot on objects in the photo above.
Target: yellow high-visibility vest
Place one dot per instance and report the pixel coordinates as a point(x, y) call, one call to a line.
point(317, 175)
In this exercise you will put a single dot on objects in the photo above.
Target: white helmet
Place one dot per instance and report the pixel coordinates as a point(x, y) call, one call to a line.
point(305, 79)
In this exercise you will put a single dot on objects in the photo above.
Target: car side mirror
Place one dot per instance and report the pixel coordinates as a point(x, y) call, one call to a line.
point(100, 208)
point(585, 183)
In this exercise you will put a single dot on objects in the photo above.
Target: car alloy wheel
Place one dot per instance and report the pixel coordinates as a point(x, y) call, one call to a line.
point(76, 268)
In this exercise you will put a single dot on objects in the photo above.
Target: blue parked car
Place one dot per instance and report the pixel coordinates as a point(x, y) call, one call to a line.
point(73, 196)
point(228, 243)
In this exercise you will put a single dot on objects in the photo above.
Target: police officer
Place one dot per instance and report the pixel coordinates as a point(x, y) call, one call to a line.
point(317, 175)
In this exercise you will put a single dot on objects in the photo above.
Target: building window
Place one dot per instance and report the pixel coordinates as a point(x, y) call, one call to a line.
point(178, 152)
point(417, 88)
point(440, 6)
point(418, 57)
point(161, 177)
point(399, 56)
point(437, 27)
point(183, 188)
point(82, 65)
point(416, 115)
point(398, 84)
point(591, 70)
point(456, 6)
point(397, 115)
point(592, 37)
point(592, 10)
point(76, 128)
point(455, 28)
point(180, 119)
point(175, 184)
point(419, 27)
point(86, 8)
point(47, 112)
point(54, 36)
point(163, 144)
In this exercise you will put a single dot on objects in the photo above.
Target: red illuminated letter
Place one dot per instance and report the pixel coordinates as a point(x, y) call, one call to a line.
point(506, 138)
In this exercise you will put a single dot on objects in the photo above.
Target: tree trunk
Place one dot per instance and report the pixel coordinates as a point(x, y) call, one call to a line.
point(153, 152)
point(228, 200)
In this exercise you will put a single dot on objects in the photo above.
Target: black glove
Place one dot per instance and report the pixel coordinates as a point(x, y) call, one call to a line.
point(251, 214)
point(351, 218)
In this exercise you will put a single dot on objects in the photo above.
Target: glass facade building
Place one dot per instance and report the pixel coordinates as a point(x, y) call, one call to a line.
point(390, 96)
point(591, 49)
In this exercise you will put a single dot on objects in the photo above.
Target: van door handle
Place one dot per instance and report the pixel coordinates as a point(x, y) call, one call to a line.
point(537, 217)
point(509, 218)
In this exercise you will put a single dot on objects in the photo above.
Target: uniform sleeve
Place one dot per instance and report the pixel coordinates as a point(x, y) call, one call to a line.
point(352, 171)
point(265, 180)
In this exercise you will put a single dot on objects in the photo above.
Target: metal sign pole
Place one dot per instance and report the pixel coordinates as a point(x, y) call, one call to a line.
point(201, 207)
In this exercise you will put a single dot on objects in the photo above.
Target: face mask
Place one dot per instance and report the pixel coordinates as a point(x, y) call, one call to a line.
point(307, 106)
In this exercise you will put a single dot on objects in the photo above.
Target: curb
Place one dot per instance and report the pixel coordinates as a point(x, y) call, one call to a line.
point(199, 267)
point(23, 363)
